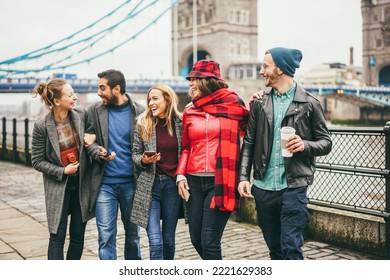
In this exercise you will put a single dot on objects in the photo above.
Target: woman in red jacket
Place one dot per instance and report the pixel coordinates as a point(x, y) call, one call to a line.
point(207, 172)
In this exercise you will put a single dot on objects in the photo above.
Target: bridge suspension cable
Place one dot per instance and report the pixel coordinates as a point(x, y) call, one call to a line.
point(92, 41)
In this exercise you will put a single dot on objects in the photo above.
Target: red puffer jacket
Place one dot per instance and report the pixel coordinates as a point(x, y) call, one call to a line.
point(200, 142)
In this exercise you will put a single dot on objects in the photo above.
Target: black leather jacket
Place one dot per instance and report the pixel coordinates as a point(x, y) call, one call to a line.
point(305, 114)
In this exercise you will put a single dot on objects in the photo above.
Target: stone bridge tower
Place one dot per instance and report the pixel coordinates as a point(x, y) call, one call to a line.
point(225, 31)
point(376, 42)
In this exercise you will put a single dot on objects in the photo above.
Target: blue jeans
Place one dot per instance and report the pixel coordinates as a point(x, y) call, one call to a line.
point(76, 230)
point(282, 216)
point(106, 220)
point(165, 205)
point(206, 225)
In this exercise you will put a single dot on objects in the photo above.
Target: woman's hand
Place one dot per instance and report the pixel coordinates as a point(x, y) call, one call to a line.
point(89, 139)
point(71, 168)
point(183, 189)
point(150, 159)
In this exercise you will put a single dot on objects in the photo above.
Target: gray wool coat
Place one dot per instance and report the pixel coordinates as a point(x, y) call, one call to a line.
point(98, 125)
point(45, 157)
point(143, 192)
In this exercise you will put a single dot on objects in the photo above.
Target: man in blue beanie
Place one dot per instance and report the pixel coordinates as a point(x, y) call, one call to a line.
point(286, 59)
point(280, 183)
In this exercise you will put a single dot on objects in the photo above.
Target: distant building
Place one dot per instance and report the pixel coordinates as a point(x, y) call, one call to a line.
point(244, 71)
point(376, 42)
point(225, 31)
point(335, 73)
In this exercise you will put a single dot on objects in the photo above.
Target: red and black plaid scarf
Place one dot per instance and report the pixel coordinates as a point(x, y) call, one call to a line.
point(233, 114)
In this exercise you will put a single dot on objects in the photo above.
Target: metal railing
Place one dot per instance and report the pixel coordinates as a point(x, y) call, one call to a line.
point(16, 138)
point(355, 176)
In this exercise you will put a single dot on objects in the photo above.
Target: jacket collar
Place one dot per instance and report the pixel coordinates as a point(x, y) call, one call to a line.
point(52, 134)
point(300, 94)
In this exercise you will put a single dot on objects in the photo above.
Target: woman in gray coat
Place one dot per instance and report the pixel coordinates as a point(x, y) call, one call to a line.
point(156, 150)
point(58, 152)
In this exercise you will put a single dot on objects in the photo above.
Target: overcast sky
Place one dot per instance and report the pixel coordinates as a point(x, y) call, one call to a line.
point(323, 29)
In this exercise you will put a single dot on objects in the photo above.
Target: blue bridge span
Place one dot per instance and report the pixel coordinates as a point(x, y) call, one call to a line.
point(380, 95)
point(23, 85)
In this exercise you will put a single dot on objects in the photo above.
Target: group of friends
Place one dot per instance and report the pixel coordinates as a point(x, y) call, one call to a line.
point(158, 165)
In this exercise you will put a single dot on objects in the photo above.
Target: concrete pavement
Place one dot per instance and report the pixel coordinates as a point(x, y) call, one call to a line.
point(24, 234)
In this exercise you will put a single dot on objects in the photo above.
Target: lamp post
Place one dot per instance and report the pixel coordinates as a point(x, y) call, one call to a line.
point(194, 31)
point(372, 65)
point(175, 42)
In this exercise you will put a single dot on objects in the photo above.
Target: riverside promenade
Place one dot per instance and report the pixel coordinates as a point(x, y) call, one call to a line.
point(24, 234)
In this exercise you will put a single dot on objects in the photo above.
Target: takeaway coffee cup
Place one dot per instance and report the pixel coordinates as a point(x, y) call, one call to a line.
point(285, 133)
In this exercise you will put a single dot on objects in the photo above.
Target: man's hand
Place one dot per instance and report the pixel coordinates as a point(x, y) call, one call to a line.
point(244, 188)
point(256, 95)
point(295, 144)
point(103, 154)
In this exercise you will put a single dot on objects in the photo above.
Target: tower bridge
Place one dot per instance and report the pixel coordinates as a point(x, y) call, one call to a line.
point(25, 85)
point(341, 102)
point(196, 27)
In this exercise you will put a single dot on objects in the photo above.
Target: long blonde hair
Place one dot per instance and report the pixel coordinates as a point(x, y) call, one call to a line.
point(148, 122)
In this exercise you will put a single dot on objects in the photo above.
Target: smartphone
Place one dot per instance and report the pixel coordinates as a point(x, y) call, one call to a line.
point(150, 153)
point(102, 155)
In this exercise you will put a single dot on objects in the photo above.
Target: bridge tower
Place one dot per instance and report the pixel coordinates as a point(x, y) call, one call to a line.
point(376, 42)
point(225, 31)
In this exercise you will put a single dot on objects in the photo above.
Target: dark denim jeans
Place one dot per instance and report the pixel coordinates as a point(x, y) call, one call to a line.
point(76, 230)
point(282, 217)
point(206, 225)
point(106, 220)
point(166, 203)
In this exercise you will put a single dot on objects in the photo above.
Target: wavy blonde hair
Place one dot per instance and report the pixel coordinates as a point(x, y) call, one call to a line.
point(148, 122)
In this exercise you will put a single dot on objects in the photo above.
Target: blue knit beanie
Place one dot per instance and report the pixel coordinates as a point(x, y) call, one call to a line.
point(286, 59)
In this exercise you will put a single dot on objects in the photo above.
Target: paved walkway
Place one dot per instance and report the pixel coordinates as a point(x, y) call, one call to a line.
point(24, 234)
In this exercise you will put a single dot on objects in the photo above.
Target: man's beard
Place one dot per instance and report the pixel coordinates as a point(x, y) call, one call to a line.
point(112, 101)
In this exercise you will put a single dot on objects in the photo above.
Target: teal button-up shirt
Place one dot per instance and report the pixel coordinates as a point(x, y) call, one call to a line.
point(275, 177)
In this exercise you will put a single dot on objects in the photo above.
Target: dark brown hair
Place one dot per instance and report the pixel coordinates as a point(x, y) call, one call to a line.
point(209, 85)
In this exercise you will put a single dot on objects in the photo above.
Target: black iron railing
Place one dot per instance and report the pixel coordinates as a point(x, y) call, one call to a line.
point(16, 140)
point(355, 176)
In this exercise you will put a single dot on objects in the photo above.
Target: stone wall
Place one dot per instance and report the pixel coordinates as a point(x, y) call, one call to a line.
point(360, 232)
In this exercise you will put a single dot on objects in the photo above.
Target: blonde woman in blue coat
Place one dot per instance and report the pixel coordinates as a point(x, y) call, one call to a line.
point(58, 152)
